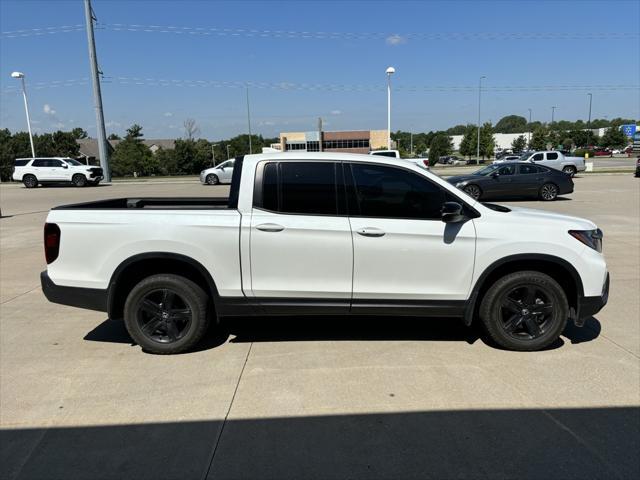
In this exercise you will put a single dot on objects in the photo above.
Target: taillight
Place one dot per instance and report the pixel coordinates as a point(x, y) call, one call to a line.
point(51, 241)
point(426, 163)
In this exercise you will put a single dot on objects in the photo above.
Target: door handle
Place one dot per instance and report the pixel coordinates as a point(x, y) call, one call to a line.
point(270, 227)
point(371, 232)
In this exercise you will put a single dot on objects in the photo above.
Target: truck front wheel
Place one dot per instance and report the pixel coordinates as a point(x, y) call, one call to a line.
point(524, 311)
point(166, 314)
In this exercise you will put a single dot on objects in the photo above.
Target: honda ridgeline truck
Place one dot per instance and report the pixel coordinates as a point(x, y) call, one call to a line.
point(325, 233)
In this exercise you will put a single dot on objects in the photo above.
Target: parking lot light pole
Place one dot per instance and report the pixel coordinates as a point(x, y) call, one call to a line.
point(529, 125)
point(479, 100)
point(20, 75)
point(590, 99)
point(389, 72)
point(228, 157)
point(553, 113)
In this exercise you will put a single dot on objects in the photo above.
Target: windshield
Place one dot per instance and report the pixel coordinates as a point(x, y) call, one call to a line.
point(524, 157)
point(71, 161)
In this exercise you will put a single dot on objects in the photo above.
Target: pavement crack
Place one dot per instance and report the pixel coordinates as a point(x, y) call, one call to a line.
point(18, 296)
point(224, 422)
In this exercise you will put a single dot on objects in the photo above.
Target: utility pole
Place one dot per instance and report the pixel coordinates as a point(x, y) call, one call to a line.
point(590, 99)
point(411, 142)
point(479, 100)
point(249, 121)
point(97, 95)
point(529, 125)
point(319, 134)
point(553, 114)
point(390, 71)
point(213, 154)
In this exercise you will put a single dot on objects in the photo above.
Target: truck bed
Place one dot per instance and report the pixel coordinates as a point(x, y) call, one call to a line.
point(157, 203)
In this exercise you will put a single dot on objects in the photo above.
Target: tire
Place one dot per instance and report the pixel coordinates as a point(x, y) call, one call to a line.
point(548, 192)
point(166, 314)
point(569, 170)
point(212, 179)
point(30, 181)
point(473, 191)
point(79, 180)
point(524, 311)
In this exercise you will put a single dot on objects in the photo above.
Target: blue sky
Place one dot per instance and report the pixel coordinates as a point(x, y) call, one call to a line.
point(159, 79)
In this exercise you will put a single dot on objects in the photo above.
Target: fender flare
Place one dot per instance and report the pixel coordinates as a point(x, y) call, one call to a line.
point(473, 298)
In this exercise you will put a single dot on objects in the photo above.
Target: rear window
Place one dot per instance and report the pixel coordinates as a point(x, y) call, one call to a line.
point(21, 163)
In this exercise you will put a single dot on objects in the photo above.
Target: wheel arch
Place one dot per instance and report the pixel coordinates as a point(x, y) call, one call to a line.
point(557, 268)
point(143, 265)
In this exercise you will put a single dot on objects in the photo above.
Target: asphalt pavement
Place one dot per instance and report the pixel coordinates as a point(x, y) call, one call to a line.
point(315, 398)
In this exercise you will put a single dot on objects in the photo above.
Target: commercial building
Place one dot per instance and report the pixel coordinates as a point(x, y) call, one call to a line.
point(350, 141)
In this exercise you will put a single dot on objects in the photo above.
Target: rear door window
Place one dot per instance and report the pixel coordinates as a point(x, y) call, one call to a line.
point(55, 163)
point(552, 156)
point(40, 162)
point(529, 169)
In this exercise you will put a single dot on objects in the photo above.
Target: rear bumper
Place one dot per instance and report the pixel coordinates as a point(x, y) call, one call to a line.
point(88, 298)
point(588, 306)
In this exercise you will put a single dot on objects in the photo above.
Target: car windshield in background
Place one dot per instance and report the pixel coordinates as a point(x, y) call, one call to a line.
point(71, 161)
point(524, 157)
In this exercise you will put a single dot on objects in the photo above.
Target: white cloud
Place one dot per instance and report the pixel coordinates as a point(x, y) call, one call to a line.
point(336, 112)
point(395, 40)
point(168, 114)
point(48, 109)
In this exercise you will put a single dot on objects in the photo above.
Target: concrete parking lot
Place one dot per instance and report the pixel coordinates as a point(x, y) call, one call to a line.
point(315, 398)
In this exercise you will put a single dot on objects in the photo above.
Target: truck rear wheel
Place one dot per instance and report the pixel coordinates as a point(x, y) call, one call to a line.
point(524, 311)
point(166, 314)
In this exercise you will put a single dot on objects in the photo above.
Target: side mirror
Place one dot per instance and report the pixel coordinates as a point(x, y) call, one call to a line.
point(64, 165)
point(452, 212)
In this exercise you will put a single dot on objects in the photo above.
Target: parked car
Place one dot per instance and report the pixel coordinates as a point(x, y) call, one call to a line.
point(556, 160)
point(421, 162)
point(602, 152)
point(219, 174)
point(514, 179)
point(49, 170)
point(325, 233)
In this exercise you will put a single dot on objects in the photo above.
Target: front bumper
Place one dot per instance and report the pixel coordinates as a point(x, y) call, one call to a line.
point(88, 298)
point(589, 306)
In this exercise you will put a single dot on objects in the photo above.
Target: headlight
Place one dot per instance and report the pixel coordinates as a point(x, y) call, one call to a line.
point(591, 238)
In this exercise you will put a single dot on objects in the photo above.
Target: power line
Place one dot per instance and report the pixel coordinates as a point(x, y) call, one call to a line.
point(32, 32)
point(323, 87)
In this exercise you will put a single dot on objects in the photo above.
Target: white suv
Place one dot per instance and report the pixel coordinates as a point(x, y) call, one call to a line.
point(34, 171)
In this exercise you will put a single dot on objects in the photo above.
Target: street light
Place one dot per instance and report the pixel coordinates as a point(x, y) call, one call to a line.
point(529, 125)
point(20, 75)
point(228, 152)
point(553, 113)
point(479, 98)
point(389, 72)
point(590, 99)
point(213, 154)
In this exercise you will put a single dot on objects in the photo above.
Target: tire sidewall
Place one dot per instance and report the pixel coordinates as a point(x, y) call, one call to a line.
point(556, 192)
point(477, 188)
point(79, 180)
point(191, 293)
point(491, 305)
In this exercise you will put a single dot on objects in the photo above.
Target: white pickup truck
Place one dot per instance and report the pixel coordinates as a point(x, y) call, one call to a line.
point(325, 233)
point(557, 160)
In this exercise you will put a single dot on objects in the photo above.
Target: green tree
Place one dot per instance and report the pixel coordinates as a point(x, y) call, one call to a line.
point(539, 139)
point(79, 133)
point(614, 137)
point(567, 143)
point(65, 144)
point(441, 145)
point(487, 142)
point(469, 141)
point(511, 124)
point(7, 154)
point(457, 130)
point(131, 155)
point(113, 136)
point(519, 144)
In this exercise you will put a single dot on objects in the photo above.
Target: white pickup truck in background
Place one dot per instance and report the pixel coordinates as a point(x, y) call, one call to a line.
point(325, 233)
point(421, 162)
point(557, 160)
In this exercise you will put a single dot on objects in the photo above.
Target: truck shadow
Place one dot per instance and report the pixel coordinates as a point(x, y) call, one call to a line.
point(339, 328)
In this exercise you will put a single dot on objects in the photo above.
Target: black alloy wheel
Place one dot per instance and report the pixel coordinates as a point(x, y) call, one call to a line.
point(164, 316)
point(212, 179)
point(526, 312)
point(167, 313)
point(473, 191)
point(548, 192)
point(569, 170)
point(30, 181)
